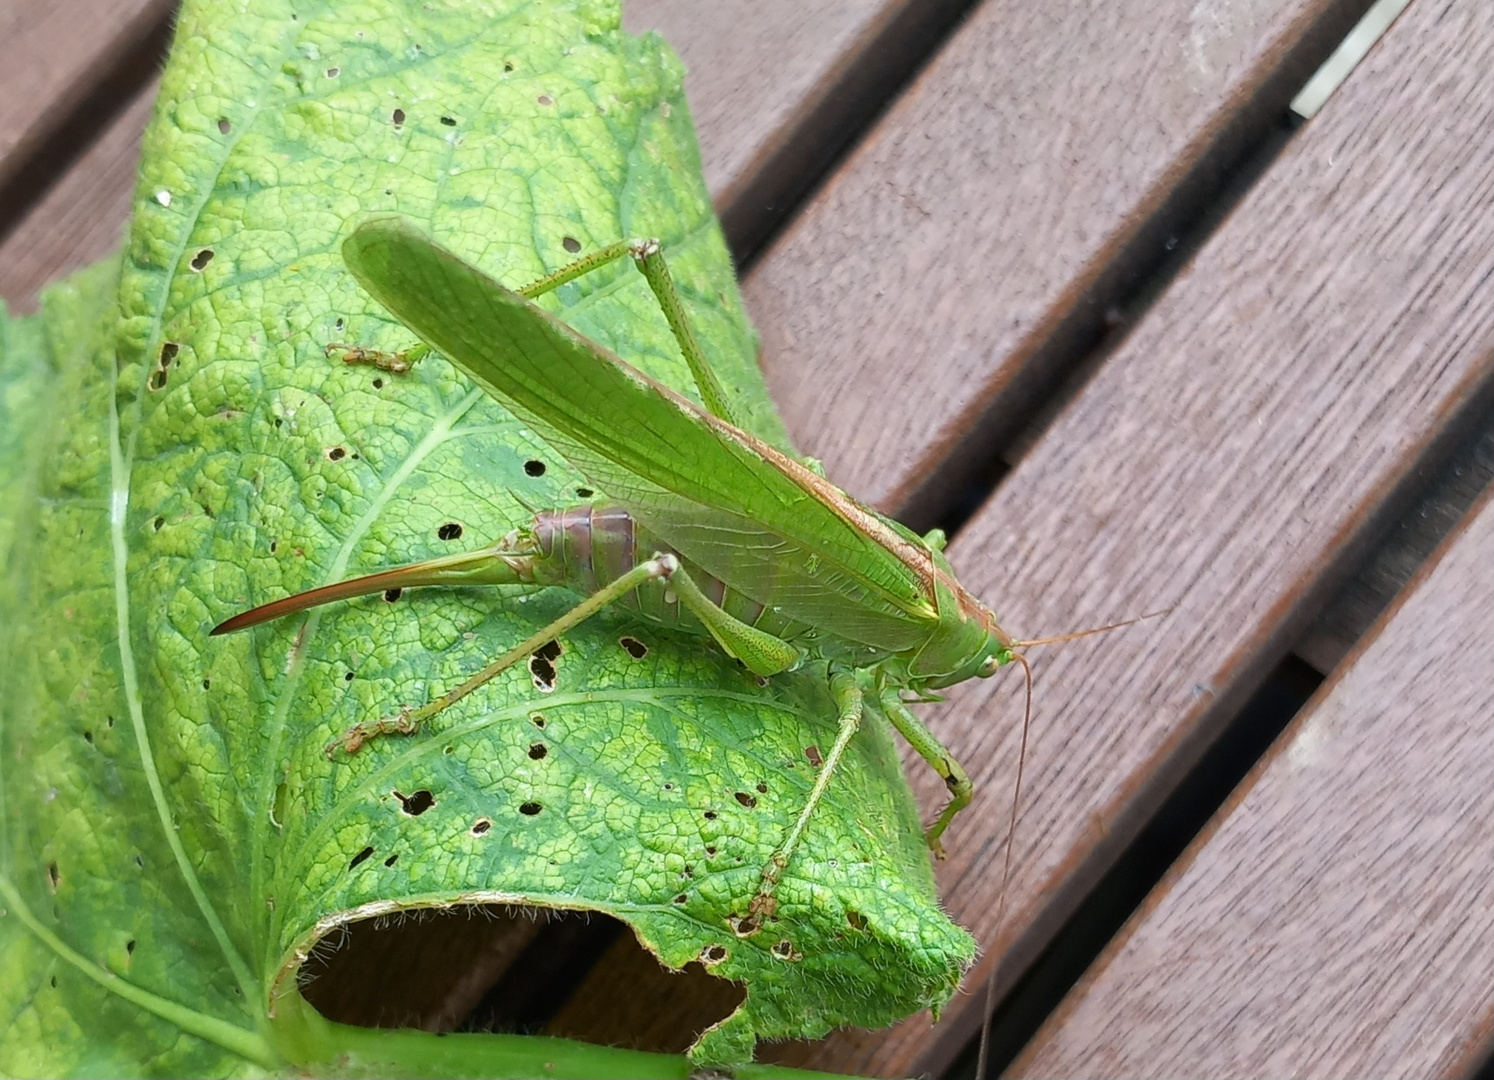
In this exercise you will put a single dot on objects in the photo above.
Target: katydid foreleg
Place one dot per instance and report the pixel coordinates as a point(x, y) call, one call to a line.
point(939, 758)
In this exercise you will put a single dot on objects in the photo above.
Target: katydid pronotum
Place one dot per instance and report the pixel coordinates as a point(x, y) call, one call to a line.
point(743, 542)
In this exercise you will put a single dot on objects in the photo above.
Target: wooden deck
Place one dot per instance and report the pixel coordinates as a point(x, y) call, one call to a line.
point(1068, 280)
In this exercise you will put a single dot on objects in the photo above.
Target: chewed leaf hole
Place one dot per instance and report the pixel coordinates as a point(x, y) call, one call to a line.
point(155, 526)
point(53, 876)
point(362, 856)
point(481, 825)
point(784, 950)
point(450, 531)
point(537, 720)
point(224, 127)
point(498, 967)
point(336, 453)
point(571, 244)
point(169, 349)
point(449, 121)
point(392, 859)
point(529, 809)
point(635, 648)
point(201, 259)
point(537, 751)
point(157, 380)
point(130, 947)
point(745, 799)
point(333, 72)
point(542, 666)
point(713, 954)
point(813, 754)
point(762, 788)
point(397, 117)
point(534, 467)
point(745, 927)
point(682, 899)
point(415, 803)
point(391, 595)
point(710, 815)
point(855, 920)
point(584, 493)
point(545, 99)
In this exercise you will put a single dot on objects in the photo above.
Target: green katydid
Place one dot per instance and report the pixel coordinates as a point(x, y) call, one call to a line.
point(743, 542)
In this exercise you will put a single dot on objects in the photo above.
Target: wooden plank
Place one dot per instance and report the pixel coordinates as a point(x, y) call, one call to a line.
point(975, 239)
point(1337, 917)
point(1447, 497)
point(775, 86)
point(54, 54)
point(82, 216)
point(778, 86)
point(1268, 416)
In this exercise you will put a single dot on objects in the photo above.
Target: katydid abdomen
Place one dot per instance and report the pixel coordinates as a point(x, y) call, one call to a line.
point(583, 548)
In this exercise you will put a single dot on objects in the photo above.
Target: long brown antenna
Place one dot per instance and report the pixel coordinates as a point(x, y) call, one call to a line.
point(1087, 633)
point(1006, 873)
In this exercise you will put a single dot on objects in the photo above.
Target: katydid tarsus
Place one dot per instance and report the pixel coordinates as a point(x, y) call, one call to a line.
point(707, 528)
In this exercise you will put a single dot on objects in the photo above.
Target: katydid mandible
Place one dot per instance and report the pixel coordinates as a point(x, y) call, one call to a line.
point(708, 528)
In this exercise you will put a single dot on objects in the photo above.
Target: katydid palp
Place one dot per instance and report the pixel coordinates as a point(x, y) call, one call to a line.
point(707, 528)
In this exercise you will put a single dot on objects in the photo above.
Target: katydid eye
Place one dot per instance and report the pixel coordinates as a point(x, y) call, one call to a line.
point(988, 667)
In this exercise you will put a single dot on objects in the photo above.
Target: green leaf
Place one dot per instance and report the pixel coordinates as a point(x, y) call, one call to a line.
point(178, 448)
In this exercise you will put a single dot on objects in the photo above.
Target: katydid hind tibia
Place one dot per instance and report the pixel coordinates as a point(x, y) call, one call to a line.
point(705, 528)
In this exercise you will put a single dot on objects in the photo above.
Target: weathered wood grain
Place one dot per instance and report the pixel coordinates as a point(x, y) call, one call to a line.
point(775, 88)
point(1268, 416)
point(83, 214)
point(778, 86)
point(1337, 918)
point(53, 55)
point(1445, 499)
point(979, 233)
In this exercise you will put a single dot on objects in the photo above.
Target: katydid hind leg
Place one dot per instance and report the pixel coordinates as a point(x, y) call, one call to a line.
point(849, 706)
point(409, 720)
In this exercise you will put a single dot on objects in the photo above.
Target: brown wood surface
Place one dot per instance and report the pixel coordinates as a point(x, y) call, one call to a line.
point(1446, 497)
point(1224, 463)
point(776, 87)
point(82, 217)
point(53, 55)
point(917, 304)
point(1337, 919)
